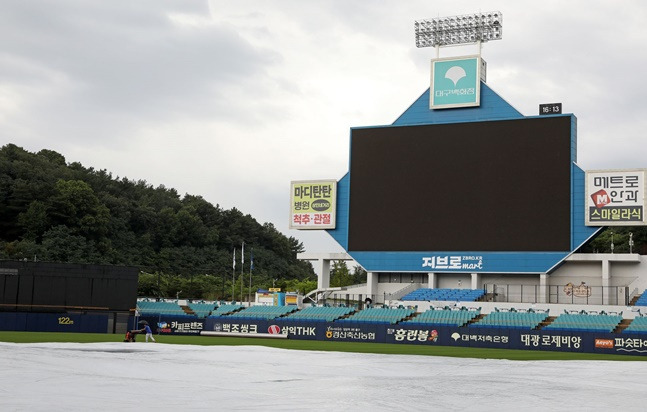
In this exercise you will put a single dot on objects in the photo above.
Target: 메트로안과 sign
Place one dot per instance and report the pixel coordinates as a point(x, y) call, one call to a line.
point(615, 197)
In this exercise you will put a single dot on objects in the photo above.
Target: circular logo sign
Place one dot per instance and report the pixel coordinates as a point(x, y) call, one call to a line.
point(320, 205)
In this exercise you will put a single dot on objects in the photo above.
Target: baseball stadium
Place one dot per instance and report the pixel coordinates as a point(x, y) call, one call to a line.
point(468, 217)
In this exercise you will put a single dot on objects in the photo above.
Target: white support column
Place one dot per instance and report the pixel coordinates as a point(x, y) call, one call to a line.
point(432, 280)
point(321, 265)
point(323, 278)
point(371, 284)
point(543, 288)
point(476, 281)
point(606, 277)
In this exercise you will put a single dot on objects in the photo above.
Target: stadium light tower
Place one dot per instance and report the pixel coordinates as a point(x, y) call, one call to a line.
point(456, 30)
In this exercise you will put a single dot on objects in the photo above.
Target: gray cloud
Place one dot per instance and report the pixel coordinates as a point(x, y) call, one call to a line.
point(232, 100)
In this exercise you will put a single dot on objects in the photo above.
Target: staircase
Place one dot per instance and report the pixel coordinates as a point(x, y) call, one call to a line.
point(476, 319)
point(624, 324)
point(546, 322)
point(187, 310)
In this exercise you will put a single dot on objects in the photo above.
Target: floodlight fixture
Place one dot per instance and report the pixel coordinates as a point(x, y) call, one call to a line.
point(455, 30)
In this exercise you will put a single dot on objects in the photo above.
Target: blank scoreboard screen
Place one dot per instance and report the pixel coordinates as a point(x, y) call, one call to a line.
point(479, 186)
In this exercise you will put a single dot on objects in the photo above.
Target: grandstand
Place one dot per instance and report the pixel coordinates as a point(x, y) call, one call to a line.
point(642, 300)
point(638, 325)
point(262, 312)
point(225, 309)
point(202, 309)
point(514, 319)
point(585, 322)
point(463, 295)
point(149, 307)
point(384, 315)
point(321, 313)
point(444, 316)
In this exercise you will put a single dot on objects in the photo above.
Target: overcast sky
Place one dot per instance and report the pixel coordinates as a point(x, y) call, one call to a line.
point(231, 100)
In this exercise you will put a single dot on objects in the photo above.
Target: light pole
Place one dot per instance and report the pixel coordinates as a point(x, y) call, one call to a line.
point(612, 245)
point(251, 268)
point(242, 269)
point(631, 242)
point(456, 30)
point(233, 278)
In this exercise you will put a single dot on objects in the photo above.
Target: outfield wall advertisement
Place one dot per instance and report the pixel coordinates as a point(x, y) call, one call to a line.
point(502, 338)
point(54, 322)
point(478, 337)
point(169, 325)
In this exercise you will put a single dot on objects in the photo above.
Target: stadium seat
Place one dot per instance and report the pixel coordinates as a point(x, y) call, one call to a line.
point(426, 294)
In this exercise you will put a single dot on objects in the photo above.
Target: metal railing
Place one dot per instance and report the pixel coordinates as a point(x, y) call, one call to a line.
point(399, 293)
point(351, 300)
point(560, 294)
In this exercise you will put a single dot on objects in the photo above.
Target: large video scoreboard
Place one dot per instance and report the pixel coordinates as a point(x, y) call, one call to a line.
point(491, 186)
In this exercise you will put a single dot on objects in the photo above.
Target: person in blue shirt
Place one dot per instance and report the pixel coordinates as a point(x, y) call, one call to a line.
point(149, 332)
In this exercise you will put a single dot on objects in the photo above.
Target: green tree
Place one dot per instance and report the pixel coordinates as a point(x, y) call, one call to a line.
point(70, 213)
point(340, 275)
point(359, 275)
point(619, 236)
point(301, 286)
point(60, 244)
point(34, 220)
point(76, 206)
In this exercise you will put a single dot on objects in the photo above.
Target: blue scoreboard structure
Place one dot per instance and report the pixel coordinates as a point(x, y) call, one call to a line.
point(466, 190)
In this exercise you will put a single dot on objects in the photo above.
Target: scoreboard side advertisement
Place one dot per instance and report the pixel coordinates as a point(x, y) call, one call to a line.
point(313, 204)
point(616, 197)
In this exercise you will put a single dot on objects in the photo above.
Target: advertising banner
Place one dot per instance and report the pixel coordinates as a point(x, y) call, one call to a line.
point(313, 204)
point(616, 197)
point(294, 329)
point(170, 325)
point(440, 335)
point(455, 82)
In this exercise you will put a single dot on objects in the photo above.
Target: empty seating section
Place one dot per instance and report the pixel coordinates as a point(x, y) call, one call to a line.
point(321, 313)
point(201, 309)
point(159, 308)
point(379, 315)
point(642, 300)
point(425, 294)
point(512, 319)
point(584, 322)
point(445, 317)
point(263, 312)
point(225, 309)
point(638, 325)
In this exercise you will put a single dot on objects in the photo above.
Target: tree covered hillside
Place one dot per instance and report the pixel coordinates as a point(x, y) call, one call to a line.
point(51, 210)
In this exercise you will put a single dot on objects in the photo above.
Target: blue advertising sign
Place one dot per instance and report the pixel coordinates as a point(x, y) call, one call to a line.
point(54, 322)
point(170, 325)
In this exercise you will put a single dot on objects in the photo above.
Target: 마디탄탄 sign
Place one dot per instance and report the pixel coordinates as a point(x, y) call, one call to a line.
point(455, 82)
point(313, 204)
point(615, 197)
